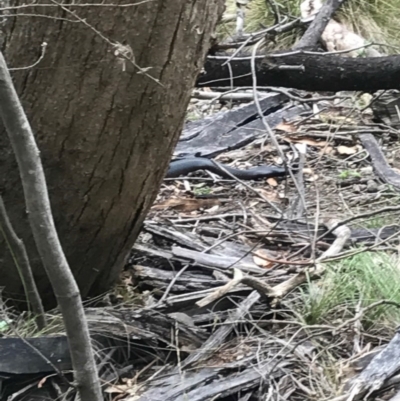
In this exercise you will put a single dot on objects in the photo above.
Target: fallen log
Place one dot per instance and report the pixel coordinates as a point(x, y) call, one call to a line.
point(304, 70)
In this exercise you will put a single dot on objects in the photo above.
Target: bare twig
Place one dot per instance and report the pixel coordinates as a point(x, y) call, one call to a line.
point(18, 252)
point(248, 186)
point(342, 236)
point(43, 46)
point(275, 9)
point(269, 131)
point(358, 217)
point(221, 291)
point(34, 4)
point(124, 52)
point(46, 238)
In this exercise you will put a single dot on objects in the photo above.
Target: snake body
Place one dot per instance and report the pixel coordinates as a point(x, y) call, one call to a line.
point(188, 165)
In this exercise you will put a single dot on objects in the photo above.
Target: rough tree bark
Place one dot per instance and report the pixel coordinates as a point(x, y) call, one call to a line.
point(105, 131)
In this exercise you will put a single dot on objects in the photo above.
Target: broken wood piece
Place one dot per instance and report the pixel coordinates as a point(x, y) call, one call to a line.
point(226, 131)
point(226, 121)
point(160, 279)
point(342, 234)
point(221, 291)
point(219, 336)
point(32, 355)
point(383, 366)
point(187, 204)
point(187, 239)
point(381, 166)
point(209, 383)
point(216, 261)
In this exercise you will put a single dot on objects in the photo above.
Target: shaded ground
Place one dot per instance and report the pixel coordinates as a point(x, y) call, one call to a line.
point(308, 345)
point(225, 298)
point(339, 179)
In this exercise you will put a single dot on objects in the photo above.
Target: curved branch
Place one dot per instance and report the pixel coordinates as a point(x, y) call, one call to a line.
point(46, 238)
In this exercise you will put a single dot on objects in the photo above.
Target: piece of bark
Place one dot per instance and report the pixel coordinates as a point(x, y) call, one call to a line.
point(219, 336)
point(206, 384)
point(381, 368)
point(187, 282)
point(381, 166)
point(225, 121)
point(17, 357)
point(386, 106)
point(216, 261)
point(187, 239)
point(220, 135)
point(143, 324)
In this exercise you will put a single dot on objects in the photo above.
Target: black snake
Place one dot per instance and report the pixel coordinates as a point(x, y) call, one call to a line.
point(190, 164)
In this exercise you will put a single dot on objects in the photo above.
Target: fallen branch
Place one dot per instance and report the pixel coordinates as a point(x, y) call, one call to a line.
point(305, 70)
point(221, 291)
point(342, 236)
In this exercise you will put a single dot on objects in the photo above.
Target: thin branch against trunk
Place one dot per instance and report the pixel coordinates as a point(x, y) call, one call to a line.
point(18, 251)
point(311, 37)
point(46, 238)
point(305, 70)
point(317, 27)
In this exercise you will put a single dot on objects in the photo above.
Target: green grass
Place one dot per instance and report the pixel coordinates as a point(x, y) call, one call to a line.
point(259, 15)
point(202, 191)
point(375, 20)
point(380, 221)
point(356, 281)
point(348, 173)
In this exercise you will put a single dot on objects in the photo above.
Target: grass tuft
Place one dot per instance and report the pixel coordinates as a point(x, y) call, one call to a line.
point(355, 282)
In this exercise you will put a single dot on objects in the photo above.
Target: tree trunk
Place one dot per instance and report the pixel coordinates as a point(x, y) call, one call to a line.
point(106, 131)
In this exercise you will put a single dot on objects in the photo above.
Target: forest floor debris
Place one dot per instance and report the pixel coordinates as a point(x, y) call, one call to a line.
point(224, 298)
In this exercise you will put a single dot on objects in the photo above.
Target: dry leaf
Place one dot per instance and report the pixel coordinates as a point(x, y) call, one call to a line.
point(260, 258)
point(42, 381)
point(326, 151)
point(270, 195)
point(286, 127)
point(213, 209)
point(312, 178)
point(121, 389)
point(312, 142)
point(308, 141)
point(271, 181)
point(345, 150)
point(187, 205)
